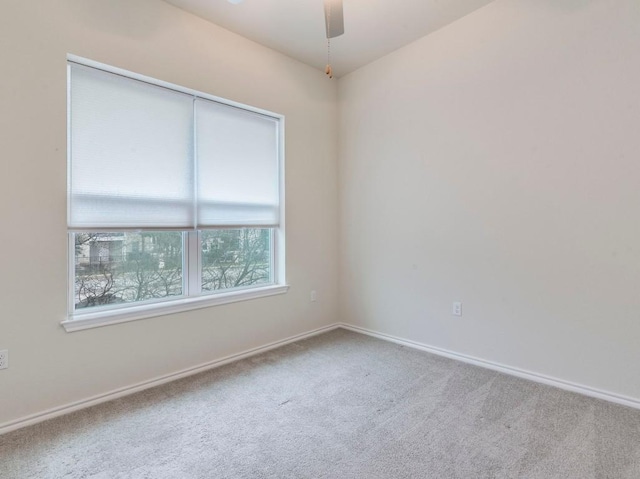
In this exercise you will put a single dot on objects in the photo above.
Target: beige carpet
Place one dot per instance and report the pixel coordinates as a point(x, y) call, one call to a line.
point(340, 405)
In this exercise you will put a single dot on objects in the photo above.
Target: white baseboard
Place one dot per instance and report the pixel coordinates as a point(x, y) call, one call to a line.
point(125, 391)
point(521, 373)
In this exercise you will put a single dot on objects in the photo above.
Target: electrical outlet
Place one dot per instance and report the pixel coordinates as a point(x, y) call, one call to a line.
point(457, 308)
point(4, 359)
point(313, 296)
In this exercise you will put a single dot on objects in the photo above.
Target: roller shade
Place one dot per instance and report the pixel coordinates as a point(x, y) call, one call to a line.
point(237, 154)
point(143, 156)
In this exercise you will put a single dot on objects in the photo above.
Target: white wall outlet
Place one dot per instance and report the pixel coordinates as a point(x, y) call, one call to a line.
point(4, 359)
point(457, 308)
point(313, 296)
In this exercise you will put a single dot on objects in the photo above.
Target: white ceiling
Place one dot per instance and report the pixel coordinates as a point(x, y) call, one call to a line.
point(296, 28)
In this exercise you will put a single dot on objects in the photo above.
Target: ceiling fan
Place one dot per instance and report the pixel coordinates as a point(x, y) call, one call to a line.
point(333, 18)
point(334, 22)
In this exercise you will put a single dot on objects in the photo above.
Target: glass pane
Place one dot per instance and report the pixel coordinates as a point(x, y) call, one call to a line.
point(236, 258)
point(116, 268)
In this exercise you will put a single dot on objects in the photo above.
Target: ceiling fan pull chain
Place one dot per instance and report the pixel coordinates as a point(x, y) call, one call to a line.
point(328, 69)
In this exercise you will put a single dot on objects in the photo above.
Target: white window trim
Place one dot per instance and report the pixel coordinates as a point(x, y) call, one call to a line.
point(114, 316)
point(76, 321)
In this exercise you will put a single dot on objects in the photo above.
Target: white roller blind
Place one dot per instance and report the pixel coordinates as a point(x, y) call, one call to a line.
point(131, 148)
point(144, 156)
point(237, 157)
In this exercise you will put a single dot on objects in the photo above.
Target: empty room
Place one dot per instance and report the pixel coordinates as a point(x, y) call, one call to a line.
point(320, 239)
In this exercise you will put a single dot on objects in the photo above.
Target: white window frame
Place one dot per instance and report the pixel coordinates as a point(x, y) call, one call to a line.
point(85, 319)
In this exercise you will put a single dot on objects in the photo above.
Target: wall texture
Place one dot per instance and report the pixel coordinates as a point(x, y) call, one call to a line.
point(496, 162)
point(50, 367)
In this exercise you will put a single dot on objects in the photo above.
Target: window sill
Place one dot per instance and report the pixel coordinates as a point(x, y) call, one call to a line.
point(133, 313)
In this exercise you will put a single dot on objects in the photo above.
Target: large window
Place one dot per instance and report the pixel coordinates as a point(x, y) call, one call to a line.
point(174, 198)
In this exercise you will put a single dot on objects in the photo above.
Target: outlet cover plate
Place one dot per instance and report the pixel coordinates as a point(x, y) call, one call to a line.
point(4, 359)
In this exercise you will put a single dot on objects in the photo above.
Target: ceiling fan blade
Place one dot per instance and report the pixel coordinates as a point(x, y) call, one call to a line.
point(333, 18)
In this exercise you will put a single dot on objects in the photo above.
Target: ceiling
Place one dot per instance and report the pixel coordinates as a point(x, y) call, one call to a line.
point(296, 28)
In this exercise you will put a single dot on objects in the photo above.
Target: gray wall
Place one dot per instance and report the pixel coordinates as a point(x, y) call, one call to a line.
point(496, 162)
point(49, 367)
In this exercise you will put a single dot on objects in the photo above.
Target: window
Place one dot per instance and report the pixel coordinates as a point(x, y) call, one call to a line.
point(174, 198)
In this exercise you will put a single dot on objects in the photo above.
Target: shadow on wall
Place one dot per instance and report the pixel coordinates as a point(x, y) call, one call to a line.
point(146, 19)
point(567, 6)
point(104, 16)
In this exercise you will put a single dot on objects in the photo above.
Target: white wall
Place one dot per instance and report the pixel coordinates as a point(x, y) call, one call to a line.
point(497, 162)
point(50, 367)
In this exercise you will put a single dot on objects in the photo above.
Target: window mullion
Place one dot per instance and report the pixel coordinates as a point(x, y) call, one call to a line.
point(193, 265)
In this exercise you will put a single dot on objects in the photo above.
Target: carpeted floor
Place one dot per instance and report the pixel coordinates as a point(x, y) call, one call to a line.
point(339, 405)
